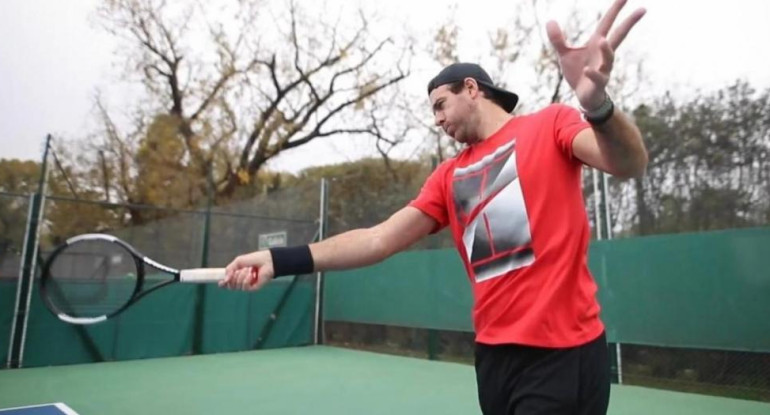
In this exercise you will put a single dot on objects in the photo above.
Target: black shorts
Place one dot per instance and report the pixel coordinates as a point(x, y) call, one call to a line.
point(523, 380)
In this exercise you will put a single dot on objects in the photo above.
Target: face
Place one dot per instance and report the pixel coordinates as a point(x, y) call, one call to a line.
point(455, 113)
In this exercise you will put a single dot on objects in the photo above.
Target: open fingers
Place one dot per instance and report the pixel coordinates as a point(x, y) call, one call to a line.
point(620, 33)
point(605, 24)
point(556, 37)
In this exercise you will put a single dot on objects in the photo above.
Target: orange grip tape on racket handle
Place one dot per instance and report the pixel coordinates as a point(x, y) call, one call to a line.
point(254, 275)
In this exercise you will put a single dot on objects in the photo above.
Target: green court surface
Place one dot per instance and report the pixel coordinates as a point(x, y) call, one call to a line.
point(302, 380)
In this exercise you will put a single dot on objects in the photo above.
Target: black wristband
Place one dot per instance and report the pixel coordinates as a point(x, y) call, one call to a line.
point(294, 260)
point(602, 114)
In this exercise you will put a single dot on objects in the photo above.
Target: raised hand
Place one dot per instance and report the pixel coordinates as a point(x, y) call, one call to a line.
point(587, 69)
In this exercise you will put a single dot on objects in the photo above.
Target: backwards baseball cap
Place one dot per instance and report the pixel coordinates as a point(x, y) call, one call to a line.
point(459, 71)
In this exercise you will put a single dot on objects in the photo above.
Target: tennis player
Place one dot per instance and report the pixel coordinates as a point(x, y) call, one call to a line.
point(513, 201)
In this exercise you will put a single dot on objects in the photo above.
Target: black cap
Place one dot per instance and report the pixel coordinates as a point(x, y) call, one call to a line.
point(459, 71)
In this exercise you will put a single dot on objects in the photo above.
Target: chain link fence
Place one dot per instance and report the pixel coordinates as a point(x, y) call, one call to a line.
point(210, 236)
point(735, 374)
point(14, 209)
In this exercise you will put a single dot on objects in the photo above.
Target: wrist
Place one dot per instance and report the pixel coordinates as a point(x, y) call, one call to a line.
point(601, 113)
point(594, 103)
point(295, 260)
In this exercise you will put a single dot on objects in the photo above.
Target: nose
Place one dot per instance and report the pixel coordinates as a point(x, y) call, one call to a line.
point(438, 119)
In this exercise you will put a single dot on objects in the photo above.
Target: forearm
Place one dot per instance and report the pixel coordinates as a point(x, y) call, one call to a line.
point(621, 144)
point(352, 249)
point(356, 248)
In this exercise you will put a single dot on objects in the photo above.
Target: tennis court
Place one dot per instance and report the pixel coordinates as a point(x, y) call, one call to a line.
point(698, 298)
point(300, 380)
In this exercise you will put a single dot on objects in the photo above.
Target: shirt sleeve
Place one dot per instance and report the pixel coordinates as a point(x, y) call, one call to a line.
point(568, 122)
point(432, 197)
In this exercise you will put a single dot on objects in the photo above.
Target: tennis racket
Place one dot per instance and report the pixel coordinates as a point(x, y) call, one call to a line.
point(93, 277)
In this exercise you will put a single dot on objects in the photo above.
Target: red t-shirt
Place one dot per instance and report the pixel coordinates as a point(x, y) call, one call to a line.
point(514, 204)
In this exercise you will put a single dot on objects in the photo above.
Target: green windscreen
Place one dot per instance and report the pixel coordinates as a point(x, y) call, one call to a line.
point(425, 289)
point(164, 323)
point(707, 290)
point(704, 290)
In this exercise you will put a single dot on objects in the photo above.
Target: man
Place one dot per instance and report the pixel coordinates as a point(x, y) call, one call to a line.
point(513, 202)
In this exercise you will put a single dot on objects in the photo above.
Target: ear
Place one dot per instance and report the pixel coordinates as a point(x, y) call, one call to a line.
point(472, 87)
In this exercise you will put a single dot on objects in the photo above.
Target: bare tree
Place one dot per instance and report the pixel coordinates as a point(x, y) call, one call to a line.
point(238, 84)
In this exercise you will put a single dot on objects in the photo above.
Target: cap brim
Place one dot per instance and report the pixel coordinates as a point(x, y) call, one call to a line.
point(507, 98)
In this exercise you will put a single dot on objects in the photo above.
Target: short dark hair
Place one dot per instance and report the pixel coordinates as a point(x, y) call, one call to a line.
point(457, 86)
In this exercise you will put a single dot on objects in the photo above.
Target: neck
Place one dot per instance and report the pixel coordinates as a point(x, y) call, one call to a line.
point(492, 118)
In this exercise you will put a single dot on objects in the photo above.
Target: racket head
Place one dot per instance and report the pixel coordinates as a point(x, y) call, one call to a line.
point(91, 278)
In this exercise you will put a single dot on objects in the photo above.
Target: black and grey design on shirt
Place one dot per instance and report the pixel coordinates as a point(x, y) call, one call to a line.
point(489, 203)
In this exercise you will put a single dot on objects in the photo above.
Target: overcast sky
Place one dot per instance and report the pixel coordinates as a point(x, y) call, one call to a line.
point(53, 58)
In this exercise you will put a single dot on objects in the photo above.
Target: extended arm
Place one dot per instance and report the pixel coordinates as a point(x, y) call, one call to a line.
point(352, 249)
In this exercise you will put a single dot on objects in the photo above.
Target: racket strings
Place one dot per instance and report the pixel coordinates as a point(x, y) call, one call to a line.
point(91, 279)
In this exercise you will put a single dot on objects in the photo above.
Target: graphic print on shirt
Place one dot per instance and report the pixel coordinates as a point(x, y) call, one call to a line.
point(490, 206)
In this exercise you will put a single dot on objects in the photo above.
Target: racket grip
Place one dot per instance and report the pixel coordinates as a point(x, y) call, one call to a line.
point(201, 275)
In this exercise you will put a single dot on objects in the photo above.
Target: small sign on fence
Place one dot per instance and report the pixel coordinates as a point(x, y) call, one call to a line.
point(272, 240)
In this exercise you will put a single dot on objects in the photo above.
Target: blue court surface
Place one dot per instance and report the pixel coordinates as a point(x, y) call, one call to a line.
point(47, 409)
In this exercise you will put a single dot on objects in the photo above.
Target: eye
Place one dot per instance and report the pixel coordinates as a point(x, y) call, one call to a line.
point(438, 106)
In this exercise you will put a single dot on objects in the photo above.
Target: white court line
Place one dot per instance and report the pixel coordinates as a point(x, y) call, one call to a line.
point(59, 405)
point(66, 409)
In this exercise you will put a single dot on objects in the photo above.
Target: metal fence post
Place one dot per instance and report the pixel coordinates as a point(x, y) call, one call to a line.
point(323, 218)
point(433, 335)
point(27, 270)
point(608, 236)
point(200, 290)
